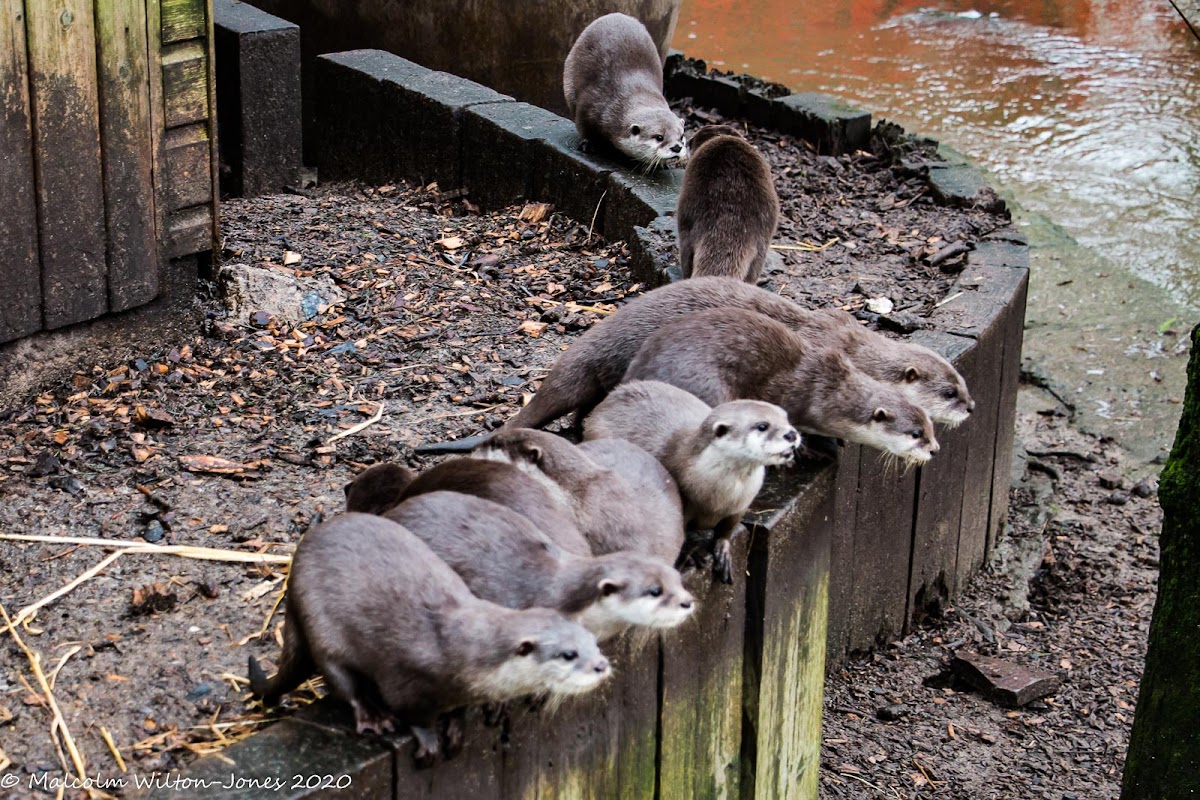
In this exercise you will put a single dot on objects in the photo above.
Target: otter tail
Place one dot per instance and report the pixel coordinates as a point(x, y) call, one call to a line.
point(460, 446)
point(296, 665)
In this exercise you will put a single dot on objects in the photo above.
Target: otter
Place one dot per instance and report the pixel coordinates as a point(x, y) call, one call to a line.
point(400, 637)
point(377, 488)
point(501, 483)
point(613, 82)
point(503, 558)
point(728, 209)
point(597, 362)
point(614, 514)
point(718, 456)
point(705, 353)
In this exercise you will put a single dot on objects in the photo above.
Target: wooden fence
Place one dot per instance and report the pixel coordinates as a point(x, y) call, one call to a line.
point(106, 154)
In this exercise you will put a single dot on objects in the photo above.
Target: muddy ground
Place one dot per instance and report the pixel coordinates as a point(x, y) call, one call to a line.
point(449, 317)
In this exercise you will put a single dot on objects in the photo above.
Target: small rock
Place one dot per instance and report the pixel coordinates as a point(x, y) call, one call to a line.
point(253, 290)
point(600, 263)
point(67, 483)
point(198, 691)
point(1143, 489)
point(1004, 683)
point(892, 713)
point(553, 314)
point(1118, 498)
point(154, 531)
point(47, 464)
point(1111, 480)
point(346, 348)
point(260, 319)
point(880, 305)
point(901, 321)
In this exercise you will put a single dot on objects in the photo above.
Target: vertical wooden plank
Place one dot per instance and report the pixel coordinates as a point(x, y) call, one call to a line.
point(787, 606)
point(882, 548)
point(66, 133)
point(127, 153)
point(214, 161)
point(933, 576)
point(841, 556)
point(158, 126)
point(700, 717)
point(20, 273)
point(598, 745)
point(182, 20)
point(1010, 379)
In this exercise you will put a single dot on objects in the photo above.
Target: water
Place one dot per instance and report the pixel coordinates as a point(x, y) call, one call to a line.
point(1085, 114)
point(1087, 111)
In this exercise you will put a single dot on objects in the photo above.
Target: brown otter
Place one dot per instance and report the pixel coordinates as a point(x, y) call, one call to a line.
point(705, 353)
point(613, 82)
point(503, 558)
point(718, 456)
point(398, 635)
point(613, 514)
point(377, 488)
point(728, 209)
point(597, 362)
point(501, 483)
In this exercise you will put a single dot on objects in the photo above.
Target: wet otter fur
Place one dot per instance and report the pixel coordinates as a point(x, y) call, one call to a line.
point(398, 635)
point(598, 361)
point(503, 558)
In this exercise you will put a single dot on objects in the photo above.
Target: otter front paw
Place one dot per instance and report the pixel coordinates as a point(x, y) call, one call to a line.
point(428, 748)
point(586, 146)
point(368, 719)
point(452, 733)
point(723, 560)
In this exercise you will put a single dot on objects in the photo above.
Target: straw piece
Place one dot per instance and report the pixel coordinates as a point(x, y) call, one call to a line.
point(112, 747)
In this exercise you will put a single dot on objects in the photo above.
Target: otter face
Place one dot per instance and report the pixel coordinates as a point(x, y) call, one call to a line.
point(550, 654)
point(634, 589)
point(903, 430)
point(933, 384)
point(653, 136)
point(753, 431)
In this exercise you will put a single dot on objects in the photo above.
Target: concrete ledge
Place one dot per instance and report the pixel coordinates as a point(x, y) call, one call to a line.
point(258, 99)
point(832, 126)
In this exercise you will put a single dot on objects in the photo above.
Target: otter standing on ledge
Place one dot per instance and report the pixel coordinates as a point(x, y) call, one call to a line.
point(728, 209)
point(613, 83)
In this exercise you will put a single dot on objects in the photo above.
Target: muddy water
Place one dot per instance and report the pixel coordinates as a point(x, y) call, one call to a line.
point(1086, 113)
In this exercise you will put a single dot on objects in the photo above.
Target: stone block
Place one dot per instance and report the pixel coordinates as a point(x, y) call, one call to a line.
point(637, 199)
point(502, 158)
point(381, 117)
point(1003, 682)
point(258, 99)
point(963, 185)
point(575, 182)
point(831, 125)
point(653, 252)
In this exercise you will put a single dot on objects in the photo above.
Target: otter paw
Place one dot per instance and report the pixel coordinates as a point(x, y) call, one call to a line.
point(452, 734)
point(373, 720)
point(723, 560)
point(428, 749)
point(586, 146)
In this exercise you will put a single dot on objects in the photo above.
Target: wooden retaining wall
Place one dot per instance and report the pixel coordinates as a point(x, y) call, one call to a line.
point(106, 134)
point(839, 558)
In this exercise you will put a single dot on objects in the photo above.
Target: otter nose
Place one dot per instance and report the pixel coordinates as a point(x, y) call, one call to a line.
point(791, 436)
point(687, 602)
point(601, 666)
point(934, 447)
point(970, 406)
point(675, 148)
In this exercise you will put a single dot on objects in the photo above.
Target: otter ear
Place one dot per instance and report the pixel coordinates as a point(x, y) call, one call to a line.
point(609, 587)
point(635, 130)
point(720, 429)
point(911, 375)
point(346, 488)
point(881, 415)
point(532, 453)
point(526, 647)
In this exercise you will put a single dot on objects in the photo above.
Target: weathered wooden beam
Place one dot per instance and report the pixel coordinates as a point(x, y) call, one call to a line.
point(127, 152)
point(181, 20)
point(20, 273)
point(66, 138)
point(188, 171)
point(185, 83)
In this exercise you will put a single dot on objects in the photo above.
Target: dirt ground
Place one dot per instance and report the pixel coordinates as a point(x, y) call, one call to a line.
point(450, 318)
point(1070, 590)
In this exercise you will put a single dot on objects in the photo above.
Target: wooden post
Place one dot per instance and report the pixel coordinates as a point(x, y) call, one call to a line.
point(20, 274)
point(127, 140)
point(787, 606)
point(66, 138)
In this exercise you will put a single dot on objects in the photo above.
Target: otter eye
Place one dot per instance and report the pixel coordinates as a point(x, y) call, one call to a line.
point(658, 138)
point(635, 130)
point(655, 592)
point(915, 433)
point(762, 426)
point(950, 394)
point(569, 655)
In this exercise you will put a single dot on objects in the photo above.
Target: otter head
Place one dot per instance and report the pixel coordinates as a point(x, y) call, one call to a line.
point(654, 136)
point(629, 589)
point(899, 427)
point(543, 651)
point(711, 132)
point(932, 383)
point(753, 431)
point(524, 447)
point(377, 489)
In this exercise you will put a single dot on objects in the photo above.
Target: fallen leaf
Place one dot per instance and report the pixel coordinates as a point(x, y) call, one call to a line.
point(533, 328)
point(290, 258)
point(211, 464)
point(451, 242)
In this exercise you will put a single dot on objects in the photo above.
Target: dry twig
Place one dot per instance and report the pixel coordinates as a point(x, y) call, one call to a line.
point(360, 426)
